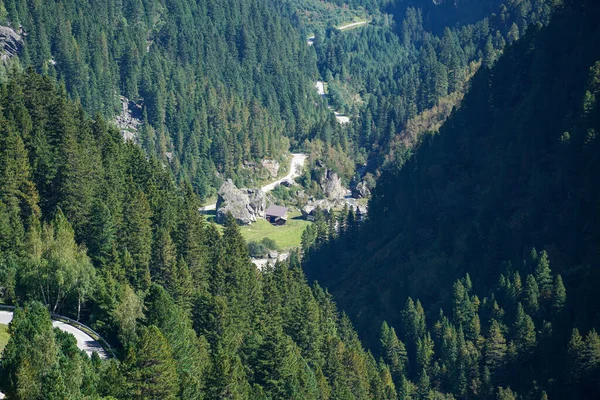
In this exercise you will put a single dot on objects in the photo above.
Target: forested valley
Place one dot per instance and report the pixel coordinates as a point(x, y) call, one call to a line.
point(503, 202)
point(473, 123)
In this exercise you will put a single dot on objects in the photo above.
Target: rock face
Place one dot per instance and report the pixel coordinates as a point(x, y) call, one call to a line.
point(332, 185)
point(129, 120)
point(246, 205)
point(10, 43)
point(361, 190)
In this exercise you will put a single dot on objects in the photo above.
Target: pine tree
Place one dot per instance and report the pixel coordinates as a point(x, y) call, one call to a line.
point(17, 193)
point(524, 331)
point(136, 235)
point(576, 356)
point(592, 354)
point(393, 351)
point(425, 351)
point(101, 234)
point(495, 348)
point(164, 259)
point(559, 295)
point(150, 367)
point(190, 354)
point(30, 353)
point(531, 295)
point(543, 275)
point(506, 394)
point(424, 386)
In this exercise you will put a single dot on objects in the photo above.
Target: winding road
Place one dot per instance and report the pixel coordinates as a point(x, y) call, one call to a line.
point(84, 341)
point(296, 165)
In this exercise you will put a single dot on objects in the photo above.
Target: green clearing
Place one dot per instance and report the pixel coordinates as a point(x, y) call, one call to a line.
point(4, 336)
point(286, 236)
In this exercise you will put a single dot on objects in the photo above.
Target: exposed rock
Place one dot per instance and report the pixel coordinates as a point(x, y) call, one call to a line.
point(246, 205)
point(10, 43)
point(129, 120)
point(258, 201)
point(262, 263)
point(361, 190)
point(326, 206)
point(272, 167)
point(311, 207)
point(332, 186)
point(273, 254)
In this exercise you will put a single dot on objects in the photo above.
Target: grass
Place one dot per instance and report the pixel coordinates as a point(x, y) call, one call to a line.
point(3, 336)
point(287, 236)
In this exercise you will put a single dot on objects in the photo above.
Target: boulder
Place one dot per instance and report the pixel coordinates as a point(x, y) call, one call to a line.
point(258, 201)
point(332, 185)
point(361, 190)
point(10, 43)
point(246, 205)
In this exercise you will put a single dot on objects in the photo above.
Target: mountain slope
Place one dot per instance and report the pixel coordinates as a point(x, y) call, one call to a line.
point(215, 83)
point(514, 168)
point(92, 229)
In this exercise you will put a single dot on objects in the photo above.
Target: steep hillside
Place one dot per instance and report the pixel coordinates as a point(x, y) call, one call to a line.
point(515, 168)
point(92, 229)
point(414, 63)
point(215, 84)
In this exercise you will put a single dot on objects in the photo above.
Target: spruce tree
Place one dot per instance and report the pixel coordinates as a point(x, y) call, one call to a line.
point(543, 275)
point(150, 368)
point(394, 352)
point(559, 295)
point(495, 348)
point(524, 331)
point(531, 295)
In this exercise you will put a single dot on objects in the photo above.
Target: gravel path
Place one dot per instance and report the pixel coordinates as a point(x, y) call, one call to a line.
point(295, 171)
point(348, 26)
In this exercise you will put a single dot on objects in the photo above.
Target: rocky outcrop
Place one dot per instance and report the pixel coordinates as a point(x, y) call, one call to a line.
point(129, 121)
point(10, 43)
point(332, 186)
point(246, 205)
point(272, 167)
point(361, 190)
point(324, 205)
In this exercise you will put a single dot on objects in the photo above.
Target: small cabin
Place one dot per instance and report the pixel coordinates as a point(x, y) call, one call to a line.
point(277, 215)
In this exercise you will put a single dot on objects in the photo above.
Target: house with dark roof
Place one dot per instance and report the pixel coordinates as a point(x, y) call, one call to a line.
point(277, 215)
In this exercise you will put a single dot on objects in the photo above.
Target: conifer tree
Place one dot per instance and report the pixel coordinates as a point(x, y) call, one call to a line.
point(136, 235)
point(576, 356)
point(424, 386)
point(150, 367)
point(531, 295)
point(559, 295)
point(592, 354)
point(543, 275)
point(495, 348)
point(393, 351)
point(524, 331)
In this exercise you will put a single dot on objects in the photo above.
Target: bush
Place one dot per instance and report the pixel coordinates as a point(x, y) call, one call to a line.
point(260, 249)
point(257, 249)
